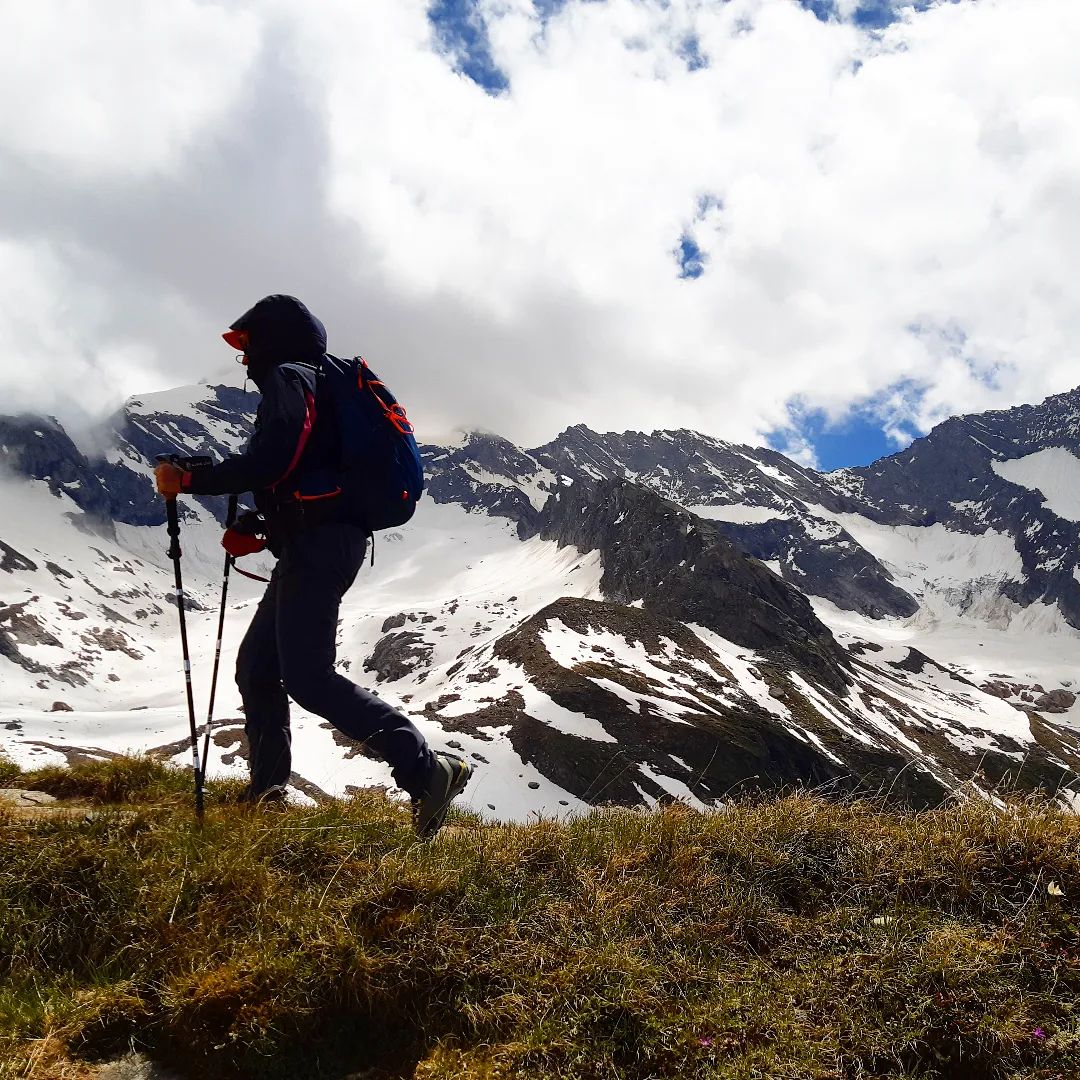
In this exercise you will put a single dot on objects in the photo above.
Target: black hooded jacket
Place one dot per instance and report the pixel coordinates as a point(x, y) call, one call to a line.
point(286, 346)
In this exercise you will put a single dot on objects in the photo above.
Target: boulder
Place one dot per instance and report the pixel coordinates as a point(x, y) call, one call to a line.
point(22, 798)
point(1056, 701)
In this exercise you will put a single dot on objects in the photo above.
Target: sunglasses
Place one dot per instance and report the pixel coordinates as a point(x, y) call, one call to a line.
point(237, 339)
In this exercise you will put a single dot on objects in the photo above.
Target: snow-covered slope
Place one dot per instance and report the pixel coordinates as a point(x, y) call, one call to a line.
point(585, 642)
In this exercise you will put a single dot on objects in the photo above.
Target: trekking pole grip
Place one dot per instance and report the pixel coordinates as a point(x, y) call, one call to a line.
point(172, 517)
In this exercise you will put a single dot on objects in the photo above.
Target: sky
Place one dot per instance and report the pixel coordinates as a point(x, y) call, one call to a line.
point(821, 224)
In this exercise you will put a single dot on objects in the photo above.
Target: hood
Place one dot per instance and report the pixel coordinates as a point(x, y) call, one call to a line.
point(281, 330)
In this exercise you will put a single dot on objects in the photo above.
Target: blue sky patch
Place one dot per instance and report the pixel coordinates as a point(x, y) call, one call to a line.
point(857, 439)
point(688, 254)
point(690, 257)
point(870, 14)
point(461, 35)
point(823, 9)
point(546, 8)
point(690, 51)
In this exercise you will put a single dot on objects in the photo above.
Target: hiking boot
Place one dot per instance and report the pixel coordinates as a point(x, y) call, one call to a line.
point(273, 798)
point(447, 779)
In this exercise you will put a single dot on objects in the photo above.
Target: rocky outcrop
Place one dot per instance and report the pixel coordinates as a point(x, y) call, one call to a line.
point(687, 467)
point(12, 560)
point(211, 420)
point(948, 478)
point(397, 655)
point(681, 567)
point(1055, 701)
point(826, 561)
point(723, 741)
point(814, 554)
point(38, 447)
point(487, 472)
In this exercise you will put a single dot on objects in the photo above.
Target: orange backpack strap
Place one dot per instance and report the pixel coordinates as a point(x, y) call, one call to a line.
point(392, 410)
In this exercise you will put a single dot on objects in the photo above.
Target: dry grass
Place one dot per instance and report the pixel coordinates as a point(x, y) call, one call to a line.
point(782, 939)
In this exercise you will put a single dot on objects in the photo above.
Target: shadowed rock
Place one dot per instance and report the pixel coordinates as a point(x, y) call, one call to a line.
point(682, 567)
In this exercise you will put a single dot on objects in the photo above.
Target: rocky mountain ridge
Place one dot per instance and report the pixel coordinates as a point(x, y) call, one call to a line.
point(568, 609)
point(769, 506)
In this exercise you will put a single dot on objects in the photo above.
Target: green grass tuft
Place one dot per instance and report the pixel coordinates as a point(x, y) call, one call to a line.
point(782, 939)
point(132, 780)
point(10, 773)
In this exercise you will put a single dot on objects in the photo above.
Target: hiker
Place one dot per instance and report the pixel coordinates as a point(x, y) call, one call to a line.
point(320, 540)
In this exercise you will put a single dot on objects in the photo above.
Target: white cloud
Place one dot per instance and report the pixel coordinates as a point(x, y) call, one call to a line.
point(893, 208)
point(121, 90)
point(70, 355)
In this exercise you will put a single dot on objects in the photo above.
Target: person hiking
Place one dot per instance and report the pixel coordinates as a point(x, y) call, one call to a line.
point(320, 542)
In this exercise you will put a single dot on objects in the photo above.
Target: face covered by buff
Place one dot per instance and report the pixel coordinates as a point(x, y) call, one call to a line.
point(277, 330)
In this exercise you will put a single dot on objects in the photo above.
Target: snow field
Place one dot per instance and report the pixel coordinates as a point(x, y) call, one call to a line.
point(1053, 473)
point(461, 580)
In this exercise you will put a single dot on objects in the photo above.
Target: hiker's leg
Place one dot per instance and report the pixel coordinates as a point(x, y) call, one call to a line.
point(314, 573)
point(266, 705)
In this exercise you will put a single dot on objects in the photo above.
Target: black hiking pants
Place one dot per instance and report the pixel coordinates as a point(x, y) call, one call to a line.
point(289, 652)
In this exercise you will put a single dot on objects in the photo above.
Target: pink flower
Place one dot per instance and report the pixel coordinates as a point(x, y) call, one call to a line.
point(704, 1042)
point(1038, 1033)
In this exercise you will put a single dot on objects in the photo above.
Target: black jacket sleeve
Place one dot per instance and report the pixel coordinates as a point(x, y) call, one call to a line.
point(282, 425)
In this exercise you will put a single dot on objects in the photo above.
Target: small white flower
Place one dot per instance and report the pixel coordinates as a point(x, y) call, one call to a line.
point(1054, 889)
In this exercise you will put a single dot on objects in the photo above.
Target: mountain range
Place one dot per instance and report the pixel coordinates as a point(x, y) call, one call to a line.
point(624, 617)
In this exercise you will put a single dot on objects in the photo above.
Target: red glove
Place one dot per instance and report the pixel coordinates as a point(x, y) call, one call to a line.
point(171, 480)
point(238, 543)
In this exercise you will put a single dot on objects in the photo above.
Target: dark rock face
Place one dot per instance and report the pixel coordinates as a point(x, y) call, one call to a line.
point(815, 555)
point(948, 477)
point(1056, 701)
point(832, 566)
point(397, 655)
point(687, 467)
point(12, 560)
point(951, 465)
point(680, 566)
point(39, 448)
point(489, 473)
point(755, 752)
point(18, 627)
point(116, 490)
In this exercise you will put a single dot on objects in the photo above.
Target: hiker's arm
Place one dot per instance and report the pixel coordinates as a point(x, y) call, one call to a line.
point(286, 413)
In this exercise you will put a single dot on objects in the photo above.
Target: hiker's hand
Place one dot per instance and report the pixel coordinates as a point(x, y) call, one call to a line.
point(170, 479)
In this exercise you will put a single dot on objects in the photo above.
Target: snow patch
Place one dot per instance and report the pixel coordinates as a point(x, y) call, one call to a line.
point(737, 513)
point(1053, 473)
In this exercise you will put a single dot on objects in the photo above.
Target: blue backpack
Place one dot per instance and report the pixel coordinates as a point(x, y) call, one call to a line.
point(380, 475)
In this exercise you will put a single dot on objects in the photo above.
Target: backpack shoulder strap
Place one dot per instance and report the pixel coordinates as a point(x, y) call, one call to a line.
point(391, 408)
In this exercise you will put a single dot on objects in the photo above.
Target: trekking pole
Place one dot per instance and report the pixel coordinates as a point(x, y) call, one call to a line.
point(173, 519)
point(230, 518)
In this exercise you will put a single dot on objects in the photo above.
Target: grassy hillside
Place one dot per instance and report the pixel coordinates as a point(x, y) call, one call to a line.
point(790, 938)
